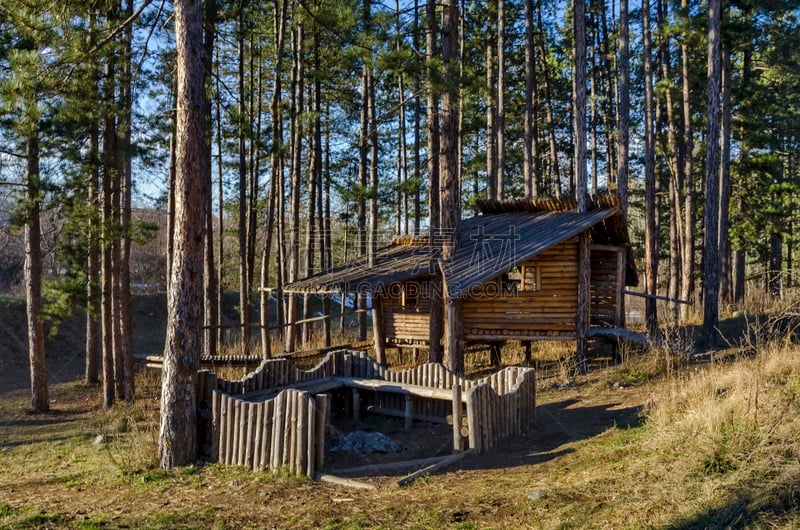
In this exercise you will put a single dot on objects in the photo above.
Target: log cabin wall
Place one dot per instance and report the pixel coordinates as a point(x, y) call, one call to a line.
point(607, 284)
point(406, 312)
point(542, 304)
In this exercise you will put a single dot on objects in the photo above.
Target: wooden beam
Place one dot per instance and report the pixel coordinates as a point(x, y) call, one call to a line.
point(443, 462)
point(341, 481)
point(659, 297)
point(378, 335)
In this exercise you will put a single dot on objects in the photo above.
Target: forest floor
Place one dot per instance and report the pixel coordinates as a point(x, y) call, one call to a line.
point(607, 452)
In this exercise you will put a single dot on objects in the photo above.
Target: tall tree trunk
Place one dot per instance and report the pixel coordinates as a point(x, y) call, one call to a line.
point(530, 166)
point(210, 281)
point(275, 182)
point(178, 433)
point(739, 253)
point(244, 292)
point(725, 272)
point(451, 184)
point(126, 177)
point(403, 225)
point(296, 173)
point(651, 215)
point(417, 126)
point(220, 297)
point(501, 96)
point(687, 268)
point(364, 247)
point(491, 112)
point(674, 166)
point(93, 263)
point(325, 224)
point(434, 222)
point(623, 109)
point(579, 120)
point(377, 317)
point(40, 402)
point(593, 80)
point(106, 271)
point(555, 172)
point(711, 260)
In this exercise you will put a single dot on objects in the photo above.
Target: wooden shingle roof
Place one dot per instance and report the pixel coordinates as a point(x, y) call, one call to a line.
point(397, 262)
point(505, 235)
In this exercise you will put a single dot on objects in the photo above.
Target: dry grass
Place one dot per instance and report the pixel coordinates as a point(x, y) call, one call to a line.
point(658, 441)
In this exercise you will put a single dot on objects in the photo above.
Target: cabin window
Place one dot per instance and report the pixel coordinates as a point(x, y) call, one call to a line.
point(524, 278)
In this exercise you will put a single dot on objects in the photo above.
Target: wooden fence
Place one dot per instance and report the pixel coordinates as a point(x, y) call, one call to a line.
point(275, 416)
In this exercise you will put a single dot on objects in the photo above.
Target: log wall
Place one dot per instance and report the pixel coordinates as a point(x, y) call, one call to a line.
point(261, 422)
point(491, 312)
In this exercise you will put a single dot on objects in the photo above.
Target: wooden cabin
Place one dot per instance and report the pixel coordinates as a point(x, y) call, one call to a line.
point(515, 270)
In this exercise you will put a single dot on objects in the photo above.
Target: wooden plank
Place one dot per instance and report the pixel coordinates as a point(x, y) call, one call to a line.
point(341, 481)
point(443, 462)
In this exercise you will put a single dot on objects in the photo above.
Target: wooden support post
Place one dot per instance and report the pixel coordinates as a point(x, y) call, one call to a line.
point(378, 335)
point(495, 357)
point(356, 405)
point(620, 315)
point(216, 412)
point(319, 431)
point(584, 301)
point(408, 418)
point(458, 440)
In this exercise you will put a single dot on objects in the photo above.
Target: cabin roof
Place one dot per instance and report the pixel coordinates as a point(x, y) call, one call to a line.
point(506, 234)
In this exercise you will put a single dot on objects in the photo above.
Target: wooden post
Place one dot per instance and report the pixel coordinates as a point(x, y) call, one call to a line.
point(356, 406)
point(453, 327)
point(472, 420)
point(408, 413)
point(319, 431)
point(584, 301)
point(458, 441)
point(378, 335)
point(215, 424)
point(621, 265)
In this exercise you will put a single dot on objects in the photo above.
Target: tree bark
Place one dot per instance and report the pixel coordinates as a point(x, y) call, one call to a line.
point(178, 432)
point(623, 109)
point(673, 164)
point(294, 193)
point(40, 401)
point(91, 375)
point(579, 120)
point(434, 222)
point(530, 166)
point(126, 195)
point(711, 261)
point(651, 215)
point(210, 280)
point(107, 263)
point(725, 272)
point(687, 268)
point(554, 170)
point(501, 96)
point(451, 184)
point(244, 291)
